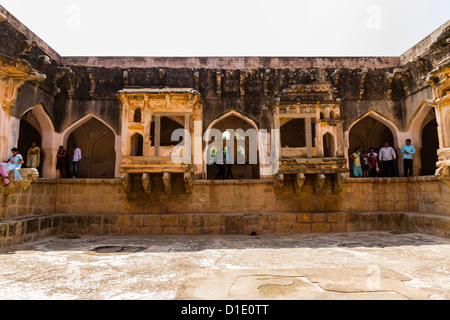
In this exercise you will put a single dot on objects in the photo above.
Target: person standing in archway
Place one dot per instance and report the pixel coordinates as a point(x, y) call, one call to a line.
point(356, 156)
point(229, 161)
point(388, 156)
point(61, 162)
point(76, 160)
point(408, 154)
point(34, 156)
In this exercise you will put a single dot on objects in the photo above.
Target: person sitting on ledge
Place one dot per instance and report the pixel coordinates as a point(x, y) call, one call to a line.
point(14, 162)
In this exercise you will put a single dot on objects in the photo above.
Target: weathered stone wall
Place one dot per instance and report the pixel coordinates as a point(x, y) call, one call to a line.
point(15, 231)
point(54, 207)
point(96, 196)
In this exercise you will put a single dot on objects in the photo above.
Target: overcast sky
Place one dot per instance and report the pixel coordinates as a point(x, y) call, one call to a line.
point(231, 27)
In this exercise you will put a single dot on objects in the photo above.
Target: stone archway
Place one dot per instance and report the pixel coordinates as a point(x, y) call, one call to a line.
point(423, 132)
point(370, 132)
point(329, 145)
point(35, 124)
point(244, 151)
point(96, 142)
point(99, 144)
point(430, 145)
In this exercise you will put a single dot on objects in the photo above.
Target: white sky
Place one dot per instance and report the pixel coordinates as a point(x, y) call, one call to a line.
point(231, 27)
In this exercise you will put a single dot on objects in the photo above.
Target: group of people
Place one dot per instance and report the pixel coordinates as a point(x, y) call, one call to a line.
point(381, 163)
point(15, 162)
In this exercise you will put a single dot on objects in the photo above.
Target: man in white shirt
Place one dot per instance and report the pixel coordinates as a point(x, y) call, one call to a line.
point(388, 156)
point(76, 160)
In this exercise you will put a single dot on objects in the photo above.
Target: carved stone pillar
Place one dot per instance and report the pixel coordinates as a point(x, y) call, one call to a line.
point(439, 79)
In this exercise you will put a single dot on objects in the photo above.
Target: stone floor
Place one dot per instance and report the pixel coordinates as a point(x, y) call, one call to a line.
point(365, 265)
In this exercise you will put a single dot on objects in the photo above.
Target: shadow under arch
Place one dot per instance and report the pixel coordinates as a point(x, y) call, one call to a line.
point(380, 123)
point(38, 119)
point(423, 127)
point(116, 140)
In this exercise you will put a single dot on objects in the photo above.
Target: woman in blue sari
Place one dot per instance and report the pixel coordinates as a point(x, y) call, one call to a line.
point(14, 162)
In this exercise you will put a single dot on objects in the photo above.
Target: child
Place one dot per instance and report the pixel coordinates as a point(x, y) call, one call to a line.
point(366, 165)
point(373, 162)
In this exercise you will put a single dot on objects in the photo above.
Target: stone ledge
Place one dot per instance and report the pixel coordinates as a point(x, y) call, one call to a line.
point(393, 179)
point(32, 228)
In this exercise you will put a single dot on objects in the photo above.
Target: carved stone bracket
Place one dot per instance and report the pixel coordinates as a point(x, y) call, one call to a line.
point(13, 74)
point(167, 182)
point(423, 65)
point(126, 182)
point(362, 82)
point(242, 77)
point(24, 48)
point(44, 62)
point(91, 82)
point(335, 76)
point(188, 182)
point(266, 82)
point(389, 78)
point(29, 175)
point(337, 181)
point(299, 182)
point(312, 75)
point(126, 78)
point(60, 73)
point(147, 182)
point(291, 76)
point(404, 75)
point(278, 182)
point(319, 183)
point(196, 80)
point(161, 74)
point(219, 83)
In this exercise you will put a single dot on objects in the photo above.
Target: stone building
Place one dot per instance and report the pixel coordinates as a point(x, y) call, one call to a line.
point(308, 115)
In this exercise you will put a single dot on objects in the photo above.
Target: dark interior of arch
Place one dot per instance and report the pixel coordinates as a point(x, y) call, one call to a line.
point(28, 133)
point(430, 144)
point(137, 145)
point(96, 142)
point(367, 133)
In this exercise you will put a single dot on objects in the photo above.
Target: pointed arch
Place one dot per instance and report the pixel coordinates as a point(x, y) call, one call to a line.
point(42, 116)
point(85, 119)
point(233, 113)
point(378, 116)
point(389, 124)
point(329, 143)
point(38, 118)
point(249, 170)
point(66, 133)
